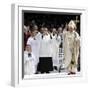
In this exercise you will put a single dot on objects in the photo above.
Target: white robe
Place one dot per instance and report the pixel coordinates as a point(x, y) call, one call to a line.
point(45, 47)
point(71, 49)
point(35, 45)
point(29, 64)
point(55, 42)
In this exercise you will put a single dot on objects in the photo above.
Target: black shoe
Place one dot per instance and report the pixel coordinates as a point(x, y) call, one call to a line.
point(55, 67)
point(36, 72)
point(42, 72)
point(47, 72)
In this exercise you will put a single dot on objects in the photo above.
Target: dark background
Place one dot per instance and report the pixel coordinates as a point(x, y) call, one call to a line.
point(50, 19)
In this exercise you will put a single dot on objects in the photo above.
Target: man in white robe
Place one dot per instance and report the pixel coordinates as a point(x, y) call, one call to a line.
point(45, 54)
point(55, 42)
point(45, 45)
point(71, 48)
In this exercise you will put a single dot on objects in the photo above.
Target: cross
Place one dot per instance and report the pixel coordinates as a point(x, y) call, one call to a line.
point(76, 20)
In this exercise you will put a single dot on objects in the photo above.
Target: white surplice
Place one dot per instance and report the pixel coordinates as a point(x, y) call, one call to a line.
point(55, 42)
point(29, 64)
point(45, 46)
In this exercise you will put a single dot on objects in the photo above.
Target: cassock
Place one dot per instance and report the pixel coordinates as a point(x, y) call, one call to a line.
point(71, 50)
point(29, 63)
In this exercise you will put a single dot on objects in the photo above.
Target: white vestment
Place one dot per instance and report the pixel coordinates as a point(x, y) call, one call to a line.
point(55, 42)
point(71, 49)
point(29, 64)
point(35, 46)
point(45, 46)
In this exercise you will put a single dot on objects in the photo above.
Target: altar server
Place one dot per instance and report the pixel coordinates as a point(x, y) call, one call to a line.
point(45, 59)
point(55, 42)
point(29, 61)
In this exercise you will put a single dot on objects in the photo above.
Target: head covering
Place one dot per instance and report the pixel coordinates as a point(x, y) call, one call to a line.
point(72, 25)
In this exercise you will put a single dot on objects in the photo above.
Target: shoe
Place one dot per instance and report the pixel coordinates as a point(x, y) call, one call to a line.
point(36, 72)
point(55, 67)
point(71, 73)
point(47, 72)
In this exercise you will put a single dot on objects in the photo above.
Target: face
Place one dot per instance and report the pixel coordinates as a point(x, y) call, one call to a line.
point(28, 48)
point(70, 29)
point(35, 27)
point(45, 31)
point(35, 30)
point(59, 29)
point(34, 33)
point(42, 30)
point(54, 31)
point(71, 26)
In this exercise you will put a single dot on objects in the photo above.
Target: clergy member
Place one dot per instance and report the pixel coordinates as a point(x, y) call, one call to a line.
point(71, 48)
